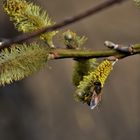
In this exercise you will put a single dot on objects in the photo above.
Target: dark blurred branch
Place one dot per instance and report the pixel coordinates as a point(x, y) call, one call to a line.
point(72, 53)
point(62, 24)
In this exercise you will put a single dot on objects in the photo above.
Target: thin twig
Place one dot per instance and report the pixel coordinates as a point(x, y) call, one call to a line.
point(72, 53)
point(66, 22)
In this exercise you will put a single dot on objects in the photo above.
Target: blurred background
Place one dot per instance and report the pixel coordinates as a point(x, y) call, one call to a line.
point(41, 107)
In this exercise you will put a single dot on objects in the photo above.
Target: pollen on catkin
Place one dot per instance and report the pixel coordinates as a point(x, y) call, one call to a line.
point(28, 17)
point(20, 61)
point(100, 74)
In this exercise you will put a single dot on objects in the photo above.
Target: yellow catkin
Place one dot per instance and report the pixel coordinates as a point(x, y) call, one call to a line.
point(21, 61)
point(102, 71)
point(14, 7)
point(100, 74)
point(28, 17)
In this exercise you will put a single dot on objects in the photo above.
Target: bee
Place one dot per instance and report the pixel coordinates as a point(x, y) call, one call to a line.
point(96, 95)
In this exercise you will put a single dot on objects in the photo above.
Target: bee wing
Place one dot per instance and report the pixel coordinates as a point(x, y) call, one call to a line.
point(95, 99)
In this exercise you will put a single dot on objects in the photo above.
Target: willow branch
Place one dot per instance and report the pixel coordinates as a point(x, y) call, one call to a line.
point(71, 53)
point(62, 24)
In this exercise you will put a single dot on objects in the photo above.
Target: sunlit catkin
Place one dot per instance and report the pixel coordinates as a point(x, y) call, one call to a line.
point(28, 17)
point(85, 88)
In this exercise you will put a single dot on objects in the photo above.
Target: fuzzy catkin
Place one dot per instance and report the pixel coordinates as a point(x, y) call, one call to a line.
point(21, 61)
point(28, 17)
point(82, 67)
point(100, 74)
